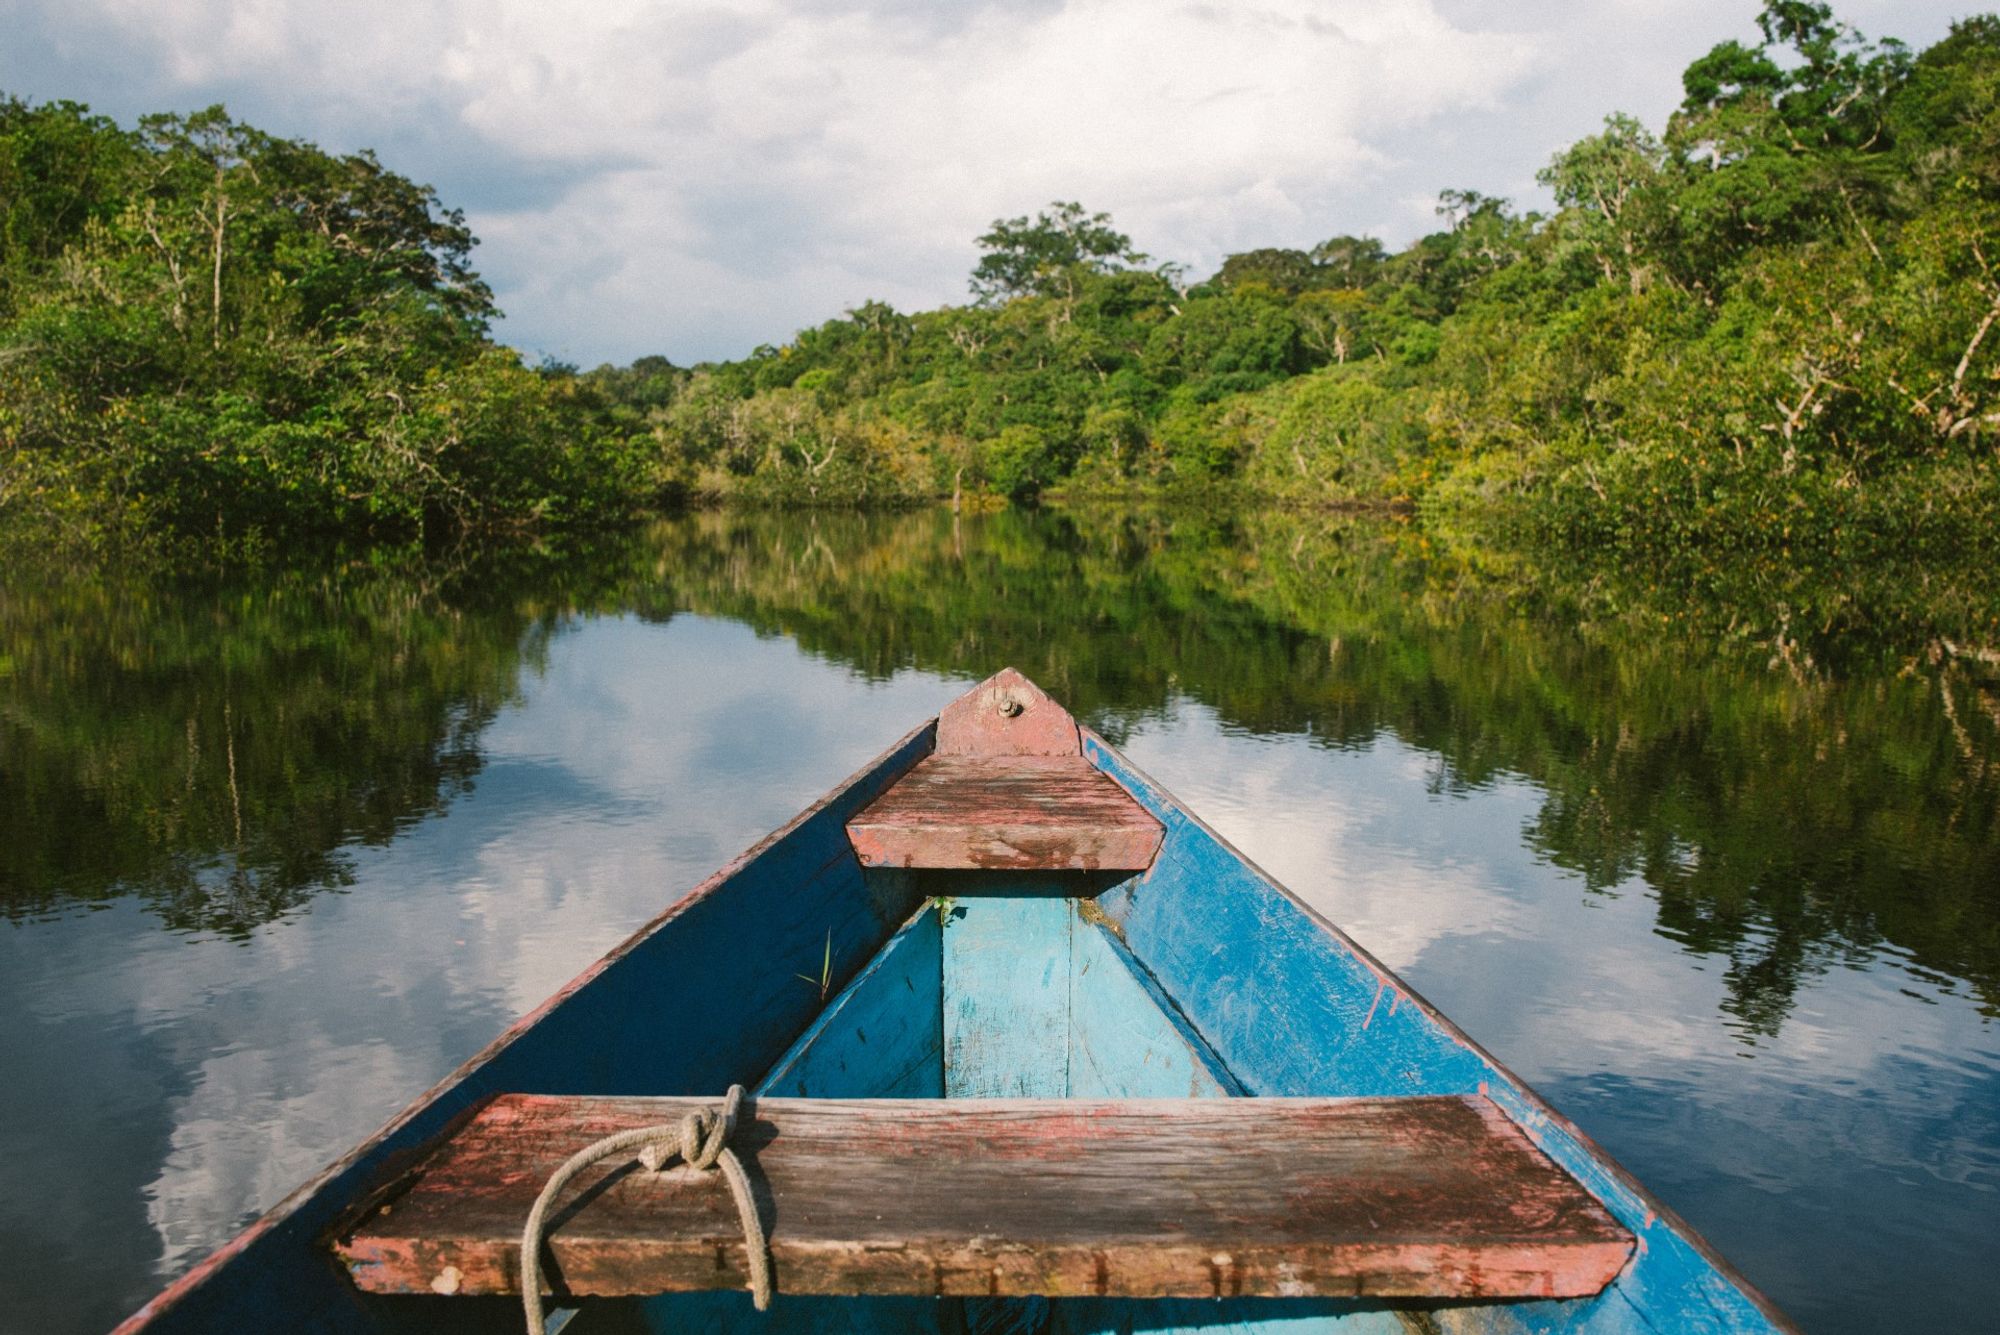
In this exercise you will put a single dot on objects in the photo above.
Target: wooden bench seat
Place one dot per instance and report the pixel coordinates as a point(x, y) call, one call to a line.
point(1440, 1198)
point(1016, 813)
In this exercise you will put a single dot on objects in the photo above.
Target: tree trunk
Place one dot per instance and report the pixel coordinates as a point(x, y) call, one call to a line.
point(221, 223)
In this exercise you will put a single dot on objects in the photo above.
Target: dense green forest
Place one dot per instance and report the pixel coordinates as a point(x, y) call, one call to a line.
point(1770, 326)
point(1775, 319)
point(209, 332)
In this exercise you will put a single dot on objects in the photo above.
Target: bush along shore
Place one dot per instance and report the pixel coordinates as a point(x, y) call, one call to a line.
point(1764, 332)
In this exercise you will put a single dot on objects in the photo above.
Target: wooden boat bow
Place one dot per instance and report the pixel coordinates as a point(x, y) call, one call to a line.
point(1043, 990)
point(1008, 788)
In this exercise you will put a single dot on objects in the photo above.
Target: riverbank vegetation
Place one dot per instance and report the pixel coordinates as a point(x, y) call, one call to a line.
point(1771, 324)
point(1768, 329)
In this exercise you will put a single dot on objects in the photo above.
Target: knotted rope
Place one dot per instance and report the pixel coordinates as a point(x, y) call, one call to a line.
point(700, 1140)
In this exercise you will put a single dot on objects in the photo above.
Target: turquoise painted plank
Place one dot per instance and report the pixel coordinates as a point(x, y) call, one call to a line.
point(1292, 1007)
point(883, 1036)
point(1125, 1040)
point(695, 1001)
point(1006, 995)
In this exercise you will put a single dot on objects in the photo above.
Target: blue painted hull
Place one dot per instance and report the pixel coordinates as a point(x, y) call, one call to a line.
point(1200, 976)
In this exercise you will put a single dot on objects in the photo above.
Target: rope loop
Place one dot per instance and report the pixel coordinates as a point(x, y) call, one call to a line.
point(701, 1141)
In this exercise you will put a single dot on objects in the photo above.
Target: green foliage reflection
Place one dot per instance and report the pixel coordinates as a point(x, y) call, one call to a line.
point(216, 748)
point(1795, 773)
point(1784, 816)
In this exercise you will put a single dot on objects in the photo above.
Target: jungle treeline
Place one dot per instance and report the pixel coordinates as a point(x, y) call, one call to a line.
point(211, 334)
point(1765, 329)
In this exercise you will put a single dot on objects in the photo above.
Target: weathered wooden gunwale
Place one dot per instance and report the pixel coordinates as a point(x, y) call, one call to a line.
point(1439, 1198)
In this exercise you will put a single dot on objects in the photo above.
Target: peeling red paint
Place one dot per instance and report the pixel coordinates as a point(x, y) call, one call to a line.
point(1370, 1019)
point(1418, 1197)
point(1006, 715)
point(1022, 813)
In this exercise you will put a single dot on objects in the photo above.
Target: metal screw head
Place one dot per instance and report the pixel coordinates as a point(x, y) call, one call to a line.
point(1009, 707)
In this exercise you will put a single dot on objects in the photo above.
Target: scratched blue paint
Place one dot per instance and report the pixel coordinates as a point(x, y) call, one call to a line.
point(883, 1036)
point(1293, 1009)
point(1006, 995)
point(1125, 1039)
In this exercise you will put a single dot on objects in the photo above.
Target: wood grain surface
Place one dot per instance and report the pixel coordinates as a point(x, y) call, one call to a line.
point(1424, 1197)
point(1022, 813)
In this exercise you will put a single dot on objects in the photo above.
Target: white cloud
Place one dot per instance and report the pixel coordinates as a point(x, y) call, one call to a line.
point(696, 178)
point(834, 157)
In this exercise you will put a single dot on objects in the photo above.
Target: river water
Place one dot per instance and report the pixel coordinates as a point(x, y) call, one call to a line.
point(277, 853)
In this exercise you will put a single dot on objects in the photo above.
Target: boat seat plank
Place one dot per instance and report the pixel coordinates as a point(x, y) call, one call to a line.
point(1018, 813)
point(1440, 1198)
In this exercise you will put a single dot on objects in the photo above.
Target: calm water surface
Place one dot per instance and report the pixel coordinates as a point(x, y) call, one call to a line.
point(277, 854)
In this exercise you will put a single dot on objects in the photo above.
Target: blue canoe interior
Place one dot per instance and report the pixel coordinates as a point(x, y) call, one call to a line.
point(1192, 976)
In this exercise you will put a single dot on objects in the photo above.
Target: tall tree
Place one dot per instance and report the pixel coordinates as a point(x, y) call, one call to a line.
point(1046, 257)
point(1349, 261)
point(1612, 184)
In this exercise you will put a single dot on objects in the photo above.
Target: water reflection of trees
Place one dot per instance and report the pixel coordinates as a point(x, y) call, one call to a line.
point(1785, 815)
point(217, 748)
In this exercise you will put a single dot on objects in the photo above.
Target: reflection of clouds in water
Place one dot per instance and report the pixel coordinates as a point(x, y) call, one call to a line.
point(1337, 828)
point(1822, 1175)
point(1860, 1096)
point(711, 735)
point(1444, 890)
point(616, 784)
point(259, 1122)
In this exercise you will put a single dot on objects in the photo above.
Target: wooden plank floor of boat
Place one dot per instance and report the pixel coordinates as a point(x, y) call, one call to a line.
point(1406, 1197)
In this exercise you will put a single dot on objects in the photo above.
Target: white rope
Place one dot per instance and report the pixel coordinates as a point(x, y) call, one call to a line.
point(700, 1140)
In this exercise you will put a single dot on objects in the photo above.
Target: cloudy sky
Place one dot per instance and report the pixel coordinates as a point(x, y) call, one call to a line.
point(696, 177)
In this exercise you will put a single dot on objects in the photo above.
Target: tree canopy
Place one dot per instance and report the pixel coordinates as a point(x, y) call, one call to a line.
point(1046, 256)
point(206, 329)
point(1772, 322)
